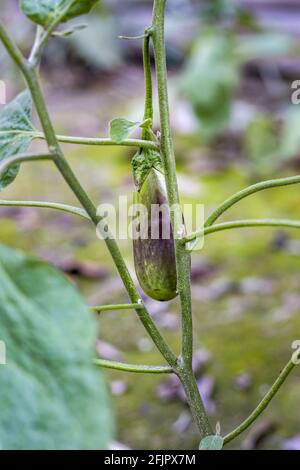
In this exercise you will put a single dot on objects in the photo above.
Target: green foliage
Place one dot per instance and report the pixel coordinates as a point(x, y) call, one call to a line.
point(43, 12)
point(15, 137)
point(209, 81)
point(212, 443)
point(52, 396)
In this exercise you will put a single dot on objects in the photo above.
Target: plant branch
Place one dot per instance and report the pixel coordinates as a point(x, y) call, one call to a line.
point(140, 369)
point(23, 158)
point(231, 201)
point(139, 143)
point(263, 404)
point(107, 308)
point(242, 224)
point(47, 205)
point(182, 257)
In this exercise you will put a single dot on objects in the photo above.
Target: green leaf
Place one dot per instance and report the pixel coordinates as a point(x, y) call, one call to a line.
point(120, 129)
point(212, 443)
point(43, 12)
point(15, 133)
point(51, 394)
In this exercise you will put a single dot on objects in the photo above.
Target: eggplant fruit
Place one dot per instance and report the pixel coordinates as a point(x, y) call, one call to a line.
point(153, 248)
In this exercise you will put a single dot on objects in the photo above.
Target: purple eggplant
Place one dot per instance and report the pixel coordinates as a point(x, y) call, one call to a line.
point(153, 241)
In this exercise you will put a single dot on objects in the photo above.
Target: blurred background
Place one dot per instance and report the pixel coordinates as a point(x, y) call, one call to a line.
point(231, 69)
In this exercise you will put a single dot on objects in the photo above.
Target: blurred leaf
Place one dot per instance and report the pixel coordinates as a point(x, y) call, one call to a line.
point(209, 81)
point(44, 12)
point(212, 443)
point(264, 45)
point(52, 396)
point(216, 10)
point(98, 44)
point(120, 128)
point(261, 140)
point(15, 128)
point(290, 138)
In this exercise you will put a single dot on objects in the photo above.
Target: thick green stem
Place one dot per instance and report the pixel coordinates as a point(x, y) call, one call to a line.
point(47, 205)
point(263, 404)
point(182, 257)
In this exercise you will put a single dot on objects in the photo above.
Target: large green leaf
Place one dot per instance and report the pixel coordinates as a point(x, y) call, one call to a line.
point(51, 394)
point(44, 12)
point(15, 133)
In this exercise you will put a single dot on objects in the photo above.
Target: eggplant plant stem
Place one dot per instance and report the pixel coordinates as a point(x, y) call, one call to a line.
point(139, 369)
point(185, 374)
point(30, 74)
point(263, 404)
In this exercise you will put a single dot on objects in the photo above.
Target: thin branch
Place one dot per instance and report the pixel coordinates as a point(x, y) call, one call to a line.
point(34, 56)
point(47, 205)
point(139, 143)
point(263, 404)
point(242, 224)
point(23, 158)
point(73, 182)
point(42, 38)
point(139, 369)
point(228, 203)
point(13, 49)
point(107, 308)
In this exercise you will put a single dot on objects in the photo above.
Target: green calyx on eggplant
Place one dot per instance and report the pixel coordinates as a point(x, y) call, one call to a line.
point(153, 241)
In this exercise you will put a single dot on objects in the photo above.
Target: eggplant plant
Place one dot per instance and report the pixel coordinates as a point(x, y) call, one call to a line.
point(162, 265)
